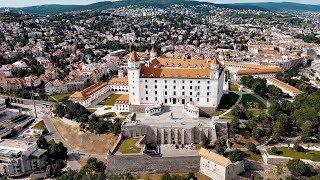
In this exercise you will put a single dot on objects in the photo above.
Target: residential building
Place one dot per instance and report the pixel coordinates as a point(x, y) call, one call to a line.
point(32, 81)
point(7, 69)
point(20, 157)
point(216, 166)
point(56, 87)
point(3, 106)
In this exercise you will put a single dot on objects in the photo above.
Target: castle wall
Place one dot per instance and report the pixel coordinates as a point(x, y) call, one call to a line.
point(141, 164)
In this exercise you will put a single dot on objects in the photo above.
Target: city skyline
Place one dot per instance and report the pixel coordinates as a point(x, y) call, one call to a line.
point(10, 3)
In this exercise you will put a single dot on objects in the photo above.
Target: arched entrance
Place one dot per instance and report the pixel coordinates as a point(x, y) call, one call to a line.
point(174, 101)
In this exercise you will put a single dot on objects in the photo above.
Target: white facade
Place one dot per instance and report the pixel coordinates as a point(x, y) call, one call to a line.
point(217, 167)
point(201, 92)
point(20, 157)
point(122, 107)
point(264, 75)
point(2, 106)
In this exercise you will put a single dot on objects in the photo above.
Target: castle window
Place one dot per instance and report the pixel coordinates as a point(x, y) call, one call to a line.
point(198, 82)
point(146, 86)
point(146, 92)
point(155, 81)
point(155, 86)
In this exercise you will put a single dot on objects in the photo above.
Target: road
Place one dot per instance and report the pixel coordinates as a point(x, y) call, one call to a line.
point(45, 115)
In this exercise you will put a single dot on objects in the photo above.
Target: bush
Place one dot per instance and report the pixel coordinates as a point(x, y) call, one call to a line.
point(275, 150)
point(252, 147)
point(236, 155)
point(299, 168)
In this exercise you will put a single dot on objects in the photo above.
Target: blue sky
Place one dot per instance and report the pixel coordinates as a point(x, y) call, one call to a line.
point(23, 3)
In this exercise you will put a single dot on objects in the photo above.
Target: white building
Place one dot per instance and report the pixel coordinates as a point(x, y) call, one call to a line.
point(217, 167)
point(32, 80)
point(88, 95)
point(2, 106)
point(56, 87)
point(122, 103)
point(119, 85)
point(257, 73)
point(175, 82)
point(286, 88)
point(18, 157)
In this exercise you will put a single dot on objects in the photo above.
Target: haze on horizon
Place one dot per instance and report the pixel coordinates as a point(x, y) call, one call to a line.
point(25, 3)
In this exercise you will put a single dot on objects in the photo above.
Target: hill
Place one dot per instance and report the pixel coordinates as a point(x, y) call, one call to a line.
point(284, 6)
point(55, 9)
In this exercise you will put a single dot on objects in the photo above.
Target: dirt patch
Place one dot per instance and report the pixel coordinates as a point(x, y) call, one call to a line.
point(83, 161)
point(240, 140)
point(158, 176)
point(83, 141)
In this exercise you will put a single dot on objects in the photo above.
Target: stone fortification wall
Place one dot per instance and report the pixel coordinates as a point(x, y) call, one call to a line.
point(137, 164)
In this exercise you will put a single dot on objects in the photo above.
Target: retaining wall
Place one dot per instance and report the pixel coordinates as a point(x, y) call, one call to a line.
point(137, 164)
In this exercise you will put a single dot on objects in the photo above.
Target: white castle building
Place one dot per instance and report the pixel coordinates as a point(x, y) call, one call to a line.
point(175, 82)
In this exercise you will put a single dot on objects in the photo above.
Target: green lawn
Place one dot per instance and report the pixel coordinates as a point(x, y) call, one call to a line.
point(58, 97)
point(233, 87)
point(92, 110)
point(249, 98)
point(107, 108)
point(289, 152)
point(230, 115)
point(228, 100)
point(40, 125)
point(218, 113)
point(256, 112)
point(51, 142)
point(109, 101)
point(128, 146)
point(125, 113)
point(109, 114)
point(251, 156)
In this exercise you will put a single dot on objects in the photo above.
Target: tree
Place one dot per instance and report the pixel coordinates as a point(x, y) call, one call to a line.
point(276, 132)
point(252, 147)
point(307, 131)
point(236, 155)
point(234, 125)
point(307, 113)
point(299, 168)
point(49, 171)
point(42, 143)
point(57, 151)
point(275, 150)
point(257, 133)
point(205, 141)
point(220, 145)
